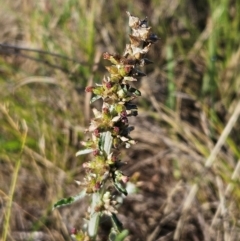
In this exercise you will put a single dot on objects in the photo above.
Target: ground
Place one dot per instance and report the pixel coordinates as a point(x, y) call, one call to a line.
point(186, 160)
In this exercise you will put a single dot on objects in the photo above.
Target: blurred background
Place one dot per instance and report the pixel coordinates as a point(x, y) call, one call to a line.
point(51, 50)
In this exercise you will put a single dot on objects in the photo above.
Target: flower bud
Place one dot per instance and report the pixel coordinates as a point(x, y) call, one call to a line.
point(116, 130)
point(108, 85)
point(123, 114)
point(105, 110)
point(96, 133)
point(97, 186)
point(124, 120)
point(73, 231)
point(89, 89)
point(85, 165)
point(96, 152)
point(124, 179)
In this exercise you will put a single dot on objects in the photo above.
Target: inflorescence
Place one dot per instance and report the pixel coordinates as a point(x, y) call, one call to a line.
point(117, 94)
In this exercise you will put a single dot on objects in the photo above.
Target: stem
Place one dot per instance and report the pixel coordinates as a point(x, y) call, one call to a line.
point(106, 144)
point(14, 183)
point(94, 216)
point(110, 128)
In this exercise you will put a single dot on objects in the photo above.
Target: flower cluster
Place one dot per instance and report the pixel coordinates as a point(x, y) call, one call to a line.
point(117, 94)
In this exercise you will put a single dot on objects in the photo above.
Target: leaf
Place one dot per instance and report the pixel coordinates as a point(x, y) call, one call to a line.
point(97, 113)
point(116, 223)
point(106, 142)
point(120, 188)
point(135, 91)
point(94, 98)
point(63, 202)
point(145, 62)
point(83, 152)
point(129, 78)
point(94, 216)
point(113, 236)
point(131, 188)
point(117, 233)
point(112, 69)
point(121, 236)
point(138, 73)
point(116, 118)
point(69, 200)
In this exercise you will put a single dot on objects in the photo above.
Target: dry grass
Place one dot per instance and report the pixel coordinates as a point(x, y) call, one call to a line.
point(187, 156)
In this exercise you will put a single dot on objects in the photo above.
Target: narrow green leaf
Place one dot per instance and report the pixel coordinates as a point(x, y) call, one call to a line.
point(112, 235)
point(121, 236)
point(94, 98)
point(69, 200)
point(120, 188)
point(117, 233)
point(116, 223)
point(137, 92)
point(83, 152)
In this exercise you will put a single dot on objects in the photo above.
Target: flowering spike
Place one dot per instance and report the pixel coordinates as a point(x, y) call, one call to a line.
point(110, 126)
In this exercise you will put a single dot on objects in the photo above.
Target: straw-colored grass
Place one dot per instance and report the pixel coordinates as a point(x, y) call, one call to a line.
point(186, 162)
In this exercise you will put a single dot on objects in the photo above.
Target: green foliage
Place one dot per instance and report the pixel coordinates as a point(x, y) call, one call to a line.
point(69, 200)
point(118, 236)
